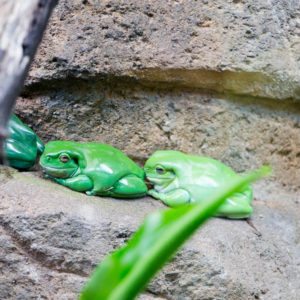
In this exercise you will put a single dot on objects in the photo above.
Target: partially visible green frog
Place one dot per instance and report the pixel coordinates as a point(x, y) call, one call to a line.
point(179, 178)
point(22, 146)
point(93, 168)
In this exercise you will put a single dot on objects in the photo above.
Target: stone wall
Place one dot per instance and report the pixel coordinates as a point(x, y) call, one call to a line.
point(242, 132)
point(147, 75)
point(241, 47)
point(217, 78)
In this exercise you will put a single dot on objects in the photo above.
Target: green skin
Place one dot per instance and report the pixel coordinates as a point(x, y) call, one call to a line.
point(23, 146)
point(179, 178)
point(93, 168)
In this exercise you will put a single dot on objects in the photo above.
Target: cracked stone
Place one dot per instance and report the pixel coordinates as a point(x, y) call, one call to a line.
point(52, 238)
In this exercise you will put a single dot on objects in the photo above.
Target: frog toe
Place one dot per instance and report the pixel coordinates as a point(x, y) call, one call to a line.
point(90, 193)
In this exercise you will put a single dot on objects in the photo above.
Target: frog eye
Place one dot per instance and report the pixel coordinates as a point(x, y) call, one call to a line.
point(160, 170)
point(64, 158)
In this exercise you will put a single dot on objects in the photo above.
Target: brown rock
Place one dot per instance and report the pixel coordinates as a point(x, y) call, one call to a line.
point(239, 131)
point(52, 238)
point(149, 75)
point(238, 47)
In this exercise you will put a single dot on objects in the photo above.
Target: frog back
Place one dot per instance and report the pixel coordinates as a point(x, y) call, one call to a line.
point(202, 175)
point(106, 165)
point(105, 159)
point(205, 168)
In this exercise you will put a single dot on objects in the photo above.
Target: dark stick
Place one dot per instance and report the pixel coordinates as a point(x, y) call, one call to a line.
point(22, 24)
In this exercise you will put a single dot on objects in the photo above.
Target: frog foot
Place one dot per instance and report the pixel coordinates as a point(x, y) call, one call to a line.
point(153, 194)
point(59, 180)
point(90, 193)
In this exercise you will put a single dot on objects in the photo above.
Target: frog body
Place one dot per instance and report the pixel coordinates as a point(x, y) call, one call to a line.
point(22, 146)
point(93, 168)
point(180, 178)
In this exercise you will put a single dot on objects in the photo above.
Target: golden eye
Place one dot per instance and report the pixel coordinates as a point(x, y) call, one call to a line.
point(64, 158)
point(160, 170)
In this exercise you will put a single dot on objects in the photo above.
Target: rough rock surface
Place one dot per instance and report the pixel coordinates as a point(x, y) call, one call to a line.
point(147, 75)
point(241, 47)
point(52, 238)
point(240, 132)
point(128, 72)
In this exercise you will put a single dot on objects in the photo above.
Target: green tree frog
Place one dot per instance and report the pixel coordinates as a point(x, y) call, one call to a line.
point(179, 178)
point(93, 168)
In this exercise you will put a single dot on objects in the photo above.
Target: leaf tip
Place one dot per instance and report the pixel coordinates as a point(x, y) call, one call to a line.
point(264, 171)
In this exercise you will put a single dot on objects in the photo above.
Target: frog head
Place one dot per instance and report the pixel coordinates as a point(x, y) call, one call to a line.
point(60, 160)
point(163, 168)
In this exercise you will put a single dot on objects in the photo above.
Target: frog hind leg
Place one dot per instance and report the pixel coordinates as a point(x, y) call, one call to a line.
point(174, 198)
point(238, 206)
point(129, 186)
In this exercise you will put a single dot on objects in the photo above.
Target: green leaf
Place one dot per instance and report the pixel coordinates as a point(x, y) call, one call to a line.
point(125, 272)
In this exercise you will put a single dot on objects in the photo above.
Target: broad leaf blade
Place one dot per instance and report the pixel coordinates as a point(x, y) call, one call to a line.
point(124, 273)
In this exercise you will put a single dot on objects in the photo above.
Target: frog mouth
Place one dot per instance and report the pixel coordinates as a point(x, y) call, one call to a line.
point(53, 168)
point(59, 172)
point(160, 183)
point(152, 179)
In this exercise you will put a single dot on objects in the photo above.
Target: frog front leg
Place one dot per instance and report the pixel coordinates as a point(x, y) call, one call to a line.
point(173, 198)
point(80, 183)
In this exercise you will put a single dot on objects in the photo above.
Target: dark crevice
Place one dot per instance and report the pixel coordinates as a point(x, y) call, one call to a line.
point(123, 84)
point(161, 296)
point(238, 83)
